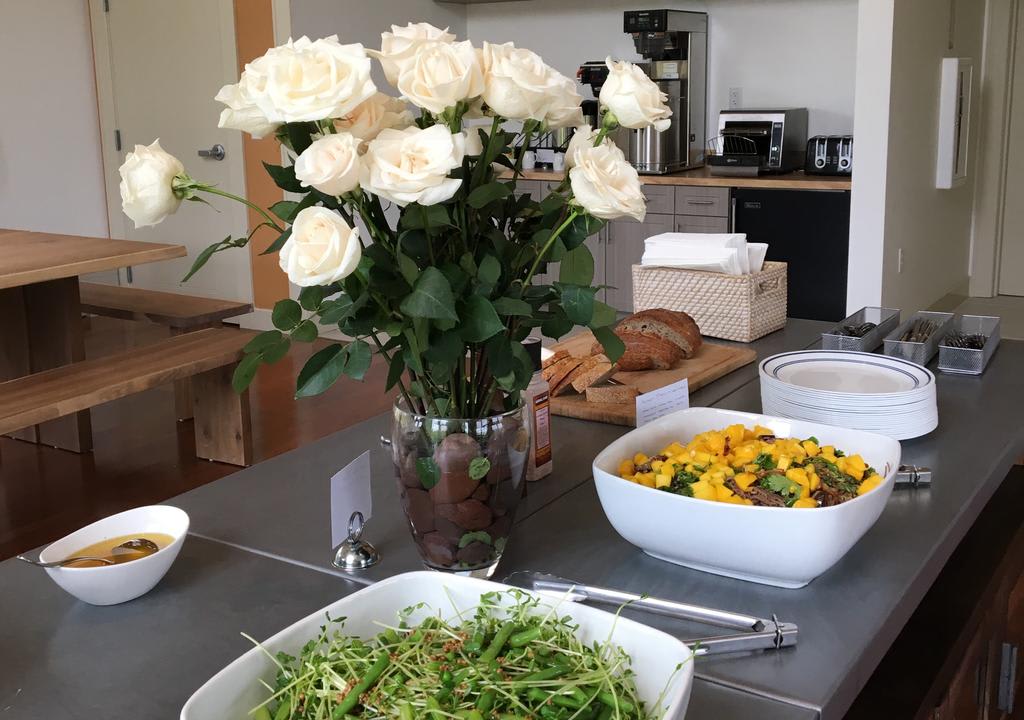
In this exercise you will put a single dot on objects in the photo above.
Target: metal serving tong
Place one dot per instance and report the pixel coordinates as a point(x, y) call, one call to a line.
point(759, 633)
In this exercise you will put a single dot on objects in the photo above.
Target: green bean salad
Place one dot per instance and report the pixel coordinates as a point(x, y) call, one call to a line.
point(508, 658)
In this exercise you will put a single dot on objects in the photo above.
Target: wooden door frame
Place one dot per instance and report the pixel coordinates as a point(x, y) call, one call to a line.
point(107, 107)
point(1000, 51)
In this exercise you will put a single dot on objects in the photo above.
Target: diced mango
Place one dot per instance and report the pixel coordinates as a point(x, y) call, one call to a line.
point(806, 502)
point(646, 479)
point(674, 449)
point(745, 479)
point(626, 467)
point(784, 462)
point(704, 490)
point(639, 459)
point(661, 481)
point(869, 484)
point(810, 447)
point(656, 465)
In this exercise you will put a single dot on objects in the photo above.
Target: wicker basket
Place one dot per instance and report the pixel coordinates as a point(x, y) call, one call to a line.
point(730, 307)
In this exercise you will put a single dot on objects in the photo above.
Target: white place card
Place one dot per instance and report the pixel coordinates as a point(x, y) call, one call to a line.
point(656, 403)
point(350, 491)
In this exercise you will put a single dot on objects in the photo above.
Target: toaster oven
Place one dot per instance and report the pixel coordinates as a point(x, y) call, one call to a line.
point(759, 142)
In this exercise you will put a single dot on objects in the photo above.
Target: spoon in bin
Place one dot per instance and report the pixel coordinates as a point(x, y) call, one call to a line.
point(135, 545)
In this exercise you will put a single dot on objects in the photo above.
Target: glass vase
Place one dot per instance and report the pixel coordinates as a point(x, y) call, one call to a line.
point(460, 481)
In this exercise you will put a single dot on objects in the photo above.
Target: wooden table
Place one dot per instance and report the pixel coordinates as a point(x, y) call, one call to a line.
point(40, 315)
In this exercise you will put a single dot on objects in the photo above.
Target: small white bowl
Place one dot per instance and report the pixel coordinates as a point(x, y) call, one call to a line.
point(785, 547)
point(236, 689)
point(113, 584)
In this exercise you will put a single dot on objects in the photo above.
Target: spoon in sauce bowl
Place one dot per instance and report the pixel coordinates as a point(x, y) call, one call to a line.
point(136, 545)
point(65, 561)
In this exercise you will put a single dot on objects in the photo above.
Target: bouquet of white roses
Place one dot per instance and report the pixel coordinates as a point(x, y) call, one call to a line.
point(445, 295)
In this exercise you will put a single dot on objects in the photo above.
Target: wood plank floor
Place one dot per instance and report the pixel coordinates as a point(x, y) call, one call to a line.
point(143, 456)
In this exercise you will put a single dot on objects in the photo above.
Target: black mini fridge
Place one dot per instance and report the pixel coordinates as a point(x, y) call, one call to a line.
point(809, 230)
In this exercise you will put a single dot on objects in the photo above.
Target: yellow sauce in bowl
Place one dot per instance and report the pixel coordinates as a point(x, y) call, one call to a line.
point(105, 549)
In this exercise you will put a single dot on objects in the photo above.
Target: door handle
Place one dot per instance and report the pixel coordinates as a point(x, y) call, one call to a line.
point(216, 152)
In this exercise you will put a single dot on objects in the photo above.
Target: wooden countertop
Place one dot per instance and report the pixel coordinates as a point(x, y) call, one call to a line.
point(703, 177)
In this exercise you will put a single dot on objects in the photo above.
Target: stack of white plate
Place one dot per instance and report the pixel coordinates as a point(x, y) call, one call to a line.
point(860, 391)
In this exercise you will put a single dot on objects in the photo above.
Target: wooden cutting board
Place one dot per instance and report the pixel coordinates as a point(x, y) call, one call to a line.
point(711, 362)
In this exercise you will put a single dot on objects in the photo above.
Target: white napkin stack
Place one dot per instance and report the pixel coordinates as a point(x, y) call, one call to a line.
point(728, 253)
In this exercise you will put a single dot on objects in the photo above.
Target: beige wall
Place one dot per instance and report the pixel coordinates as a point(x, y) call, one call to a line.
point(933, 227)
point(51, 170)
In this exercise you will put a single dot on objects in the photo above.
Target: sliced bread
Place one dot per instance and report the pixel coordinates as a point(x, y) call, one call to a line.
point(611, 393)
point(559, 371)
point(676, 327)
point(593, 371)
point(556, 356)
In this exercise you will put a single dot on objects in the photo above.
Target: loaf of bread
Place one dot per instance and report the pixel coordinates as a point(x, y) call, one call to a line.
point(611, 393)
point(676, 327)
point(644, 352)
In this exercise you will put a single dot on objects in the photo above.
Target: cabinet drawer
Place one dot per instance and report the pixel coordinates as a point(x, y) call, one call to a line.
point(701, 224)
point(695, 200)
point(660, 199)
point(528, 186)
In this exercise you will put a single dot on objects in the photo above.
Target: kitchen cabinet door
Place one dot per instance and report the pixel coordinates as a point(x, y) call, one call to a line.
point(624, 248)
point(701, 224)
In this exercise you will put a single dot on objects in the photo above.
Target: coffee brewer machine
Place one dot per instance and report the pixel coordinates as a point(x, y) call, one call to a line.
point(674, 46)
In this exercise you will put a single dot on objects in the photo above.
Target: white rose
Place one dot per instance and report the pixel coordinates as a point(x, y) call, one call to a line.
point(440, 75)
point(582, 138)
point(398, 46)
point(302, 80)
point(377, 113)
point(321, 249)
point(634, 99)
point(519, 85)
point(605, 184)
point(412, 165)
point(330, 164)
point(241, 112)
point(565, 110)
point(147, 184)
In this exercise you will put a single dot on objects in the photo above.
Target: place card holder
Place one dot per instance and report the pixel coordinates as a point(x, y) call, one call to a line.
point(885, 319)
point(912, 476)
point(355, 553)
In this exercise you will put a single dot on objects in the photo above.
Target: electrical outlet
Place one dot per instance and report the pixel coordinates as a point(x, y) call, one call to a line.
point(735, 97)
point(899, 260)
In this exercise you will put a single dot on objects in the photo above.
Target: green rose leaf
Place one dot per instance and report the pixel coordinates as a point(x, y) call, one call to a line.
point(558, 324)
point(286, 314)
point(431, 297)
point(425, 217)
point(511, 306)
point(408, 268)
point(334, 311)
point(472, 537)
point(284, 209)
point(245, 371)
point(578, 303)
point(284, 178)
point(487, 194)
point(305, 331)
point(263, 340)
point(603, 315)
point(479, 467)
point(612, 343)
point(311, 297)
point(580, 229)
point(479, 320)
point(445, 352)
point(428, 471)
point(273, 353)
point(490, 271)
point(278, 243)
point(577, 267)
point(395, 370)
point(325, 367)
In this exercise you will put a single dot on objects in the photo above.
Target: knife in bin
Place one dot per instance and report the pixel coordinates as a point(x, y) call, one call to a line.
point(758, 633)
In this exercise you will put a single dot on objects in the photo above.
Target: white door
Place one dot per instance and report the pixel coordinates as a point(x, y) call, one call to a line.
point(1011, 262)
point(158, 66)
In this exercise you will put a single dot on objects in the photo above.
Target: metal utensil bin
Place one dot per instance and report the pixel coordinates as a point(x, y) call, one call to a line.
point(918, 352)
point(968, 361)
point(885, 319)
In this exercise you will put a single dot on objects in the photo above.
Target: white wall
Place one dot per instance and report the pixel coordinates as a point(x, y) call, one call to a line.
point(895, 205)
point(364, 20)
point(782, 53)
point(51, 172)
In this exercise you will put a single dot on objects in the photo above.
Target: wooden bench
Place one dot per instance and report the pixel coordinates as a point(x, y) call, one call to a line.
point(222, 424)
point(180, 313)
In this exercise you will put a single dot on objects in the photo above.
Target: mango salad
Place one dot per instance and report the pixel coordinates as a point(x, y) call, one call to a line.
point(754, 467)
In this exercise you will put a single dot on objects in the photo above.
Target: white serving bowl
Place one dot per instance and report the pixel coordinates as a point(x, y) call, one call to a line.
point(112, 584)
point(235, 690)
point(785, 547)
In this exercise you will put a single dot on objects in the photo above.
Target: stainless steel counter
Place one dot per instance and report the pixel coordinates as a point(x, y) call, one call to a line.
point(61, 658)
